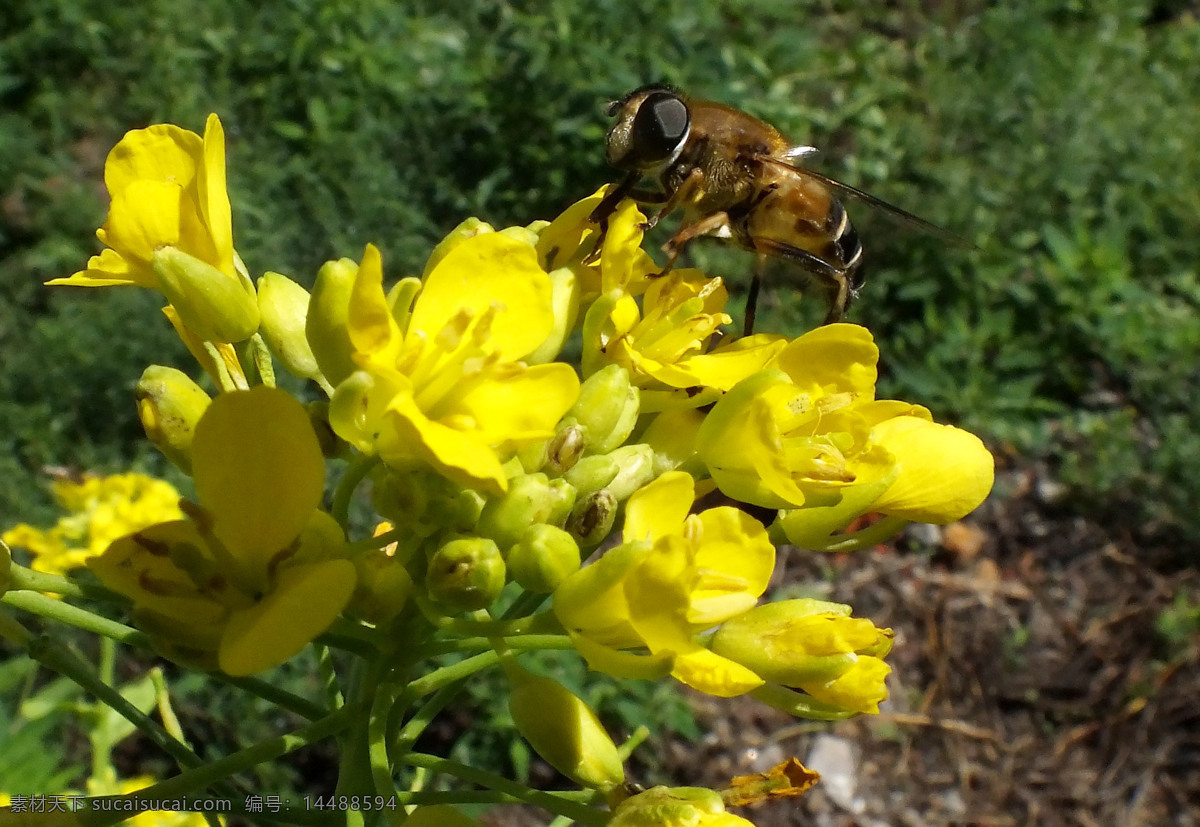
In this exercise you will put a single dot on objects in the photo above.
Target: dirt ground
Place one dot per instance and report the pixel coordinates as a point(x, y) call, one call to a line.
point(1030, 683)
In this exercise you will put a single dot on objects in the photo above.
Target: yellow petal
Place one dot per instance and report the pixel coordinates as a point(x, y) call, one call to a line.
point(304, 601)
point(735, 560)
point(258, 469)
point(108, 269)
point(622, 664)
point(659, 508)
point(485, 271)
point(944, 472)
point(459, 455)
point(519, 404)
point(832, 358)
point(214, 197)
point(144, 217)
point(163, 152)
point(369, 318)
point(714, 675)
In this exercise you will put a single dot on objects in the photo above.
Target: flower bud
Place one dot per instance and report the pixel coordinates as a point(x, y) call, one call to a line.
point(811, 645)
point(215, 306)
point(466, 575)
point(564, 299)
point(592, 518)
point(283, 307)
point(636, 468)
point(327, 325)
point(607, 407)
point(383, 588)
point(675, 807)
point(469, 228)
point(565, 448)
point(169, 405)
point(562, 498)
point(543, 557)
point(528, 500)
point(564, 731)
point(592, 473)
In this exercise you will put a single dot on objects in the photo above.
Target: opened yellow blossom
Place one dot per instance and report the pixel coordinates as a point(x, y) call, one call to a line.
point(810, 435)
point(440, 381)
point(169, 228)
point(636, 610)
point(665, 344)
point(101, 509)
point(256, 572)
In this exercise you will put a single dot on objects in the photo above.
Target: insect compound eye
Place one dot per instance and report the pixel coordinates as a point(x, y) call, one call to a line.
point(659, 126)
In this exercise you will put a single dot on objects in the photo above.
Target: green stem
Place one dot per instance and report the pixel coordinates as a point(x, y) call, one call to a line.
point(48, 607)
point(356, 472)
point(552, 802)
point(280, 697)
point(40, 581)
point(474, 644)
point(328, 676)
point(439, 678)
point(205, 776)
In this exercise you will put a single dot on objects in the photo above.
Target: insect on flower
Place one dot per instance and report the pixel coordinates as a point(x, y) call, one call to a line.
point(737, 178)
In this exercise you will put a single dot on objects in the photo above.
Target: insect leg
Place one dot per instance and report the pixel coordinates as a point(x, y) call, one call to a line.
point(752, 296)
point(835, 279)
point(716, 224)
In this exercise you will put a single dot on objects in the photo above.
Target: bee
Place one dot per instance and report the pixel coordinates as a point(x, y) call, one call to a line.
point(737, 178)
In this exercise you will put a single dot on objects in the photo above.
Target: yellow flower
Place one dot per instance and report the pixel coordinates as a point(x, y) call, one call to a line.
point(810, 437)
point(604, 262)
point(675, 807)
point(814, 646)
point(257, 571)
point(441, 382)
point(101, 510)
point(665, 346)
point(673, 576)
point(169, 228)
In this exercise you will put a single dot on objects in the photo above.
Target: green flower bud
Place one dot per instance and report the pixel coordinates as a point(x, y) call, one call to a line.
point(564, 298)
point(384, 586)
point(169, 405)
point(283, 307)
point(469, 228)
point(466, 575)
point(543, 557)
point(607, 407)
point(562, 500)
point(215, 306)
point(565, 448)
point(528, 500)
point(327, 325)
point(592, 473)
point(636, 464)
point(564, 731)
point(592, 518)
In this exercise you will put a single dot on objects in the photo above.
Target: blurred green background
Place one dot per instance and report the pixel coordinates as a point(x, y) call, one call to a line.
point(1058, 136)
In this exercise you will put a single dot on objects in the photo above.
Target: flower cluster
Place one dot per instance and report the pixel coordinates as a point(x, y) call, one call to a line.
point(497, 466)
